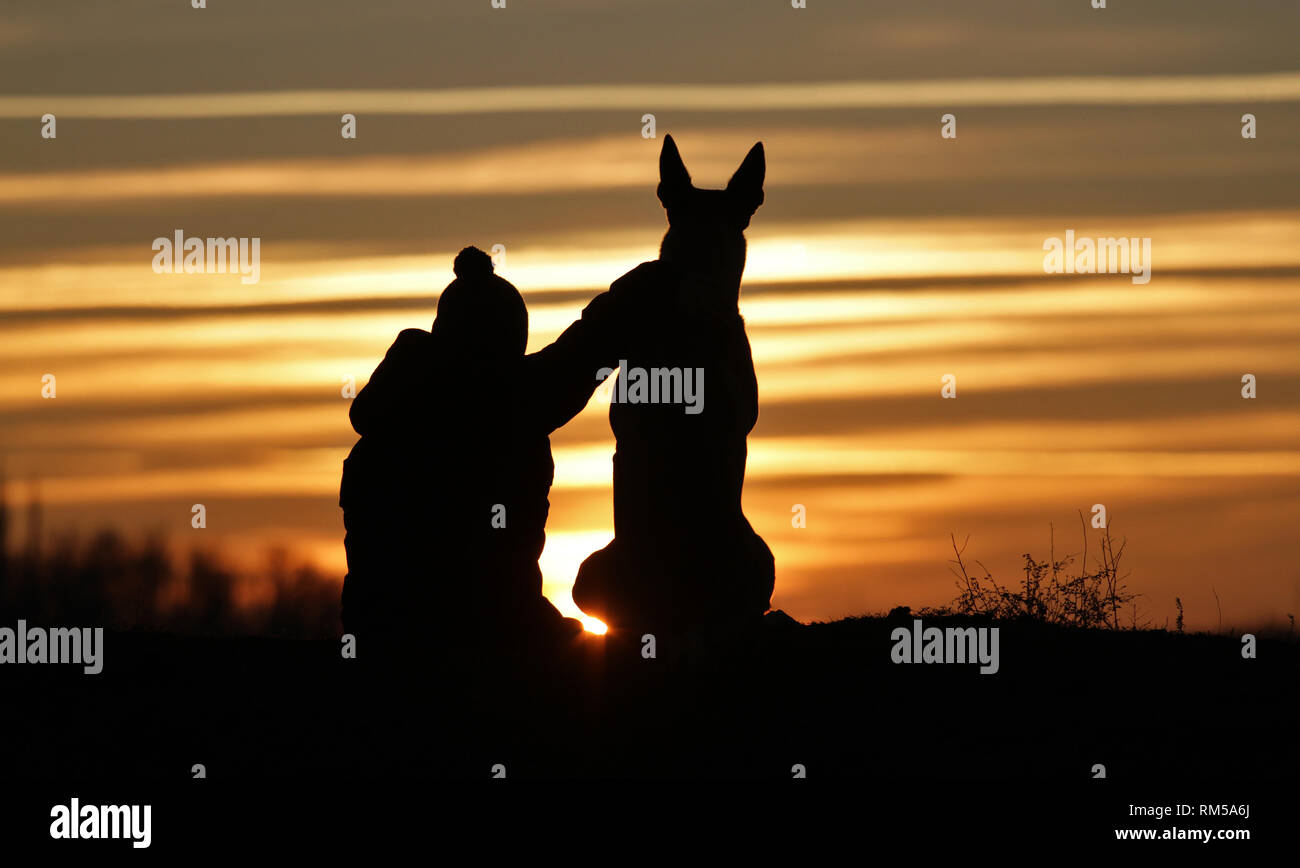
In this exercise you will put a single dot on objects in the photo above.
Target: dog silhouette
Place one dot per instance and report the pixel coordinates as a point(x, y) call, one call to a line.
point(683, 553)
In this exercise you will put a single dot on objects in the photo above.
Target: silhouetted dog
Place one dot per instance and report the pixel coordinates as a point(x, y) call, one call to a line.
point(444, 497)
point(683, 553)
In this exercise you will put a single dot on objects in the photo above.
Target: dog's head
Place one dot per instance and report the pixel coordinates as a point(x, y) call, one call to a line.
point(706, 228)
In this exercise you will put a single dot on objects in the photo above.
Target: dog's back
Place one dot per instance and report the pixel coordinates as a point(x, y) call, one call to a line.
point(677, 463)
point(683, 551)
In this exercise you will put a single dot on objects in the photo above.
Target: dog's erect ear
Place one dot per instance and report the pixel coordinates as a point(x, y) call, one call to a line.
point(674, 180)
point(746, 186)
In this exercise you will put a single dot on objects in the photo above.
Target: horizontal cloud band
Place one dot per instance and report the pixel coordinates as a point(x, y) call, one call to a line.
point(783, 96)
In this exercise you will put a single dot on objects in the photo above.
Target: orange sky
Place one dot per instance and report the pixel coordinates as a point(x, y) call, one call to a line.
point(884, 258)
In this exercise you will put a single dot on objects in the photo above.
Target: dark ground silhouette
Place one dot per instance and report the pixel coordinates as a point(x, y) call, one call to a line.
point(178, 689)
point(1151, 706)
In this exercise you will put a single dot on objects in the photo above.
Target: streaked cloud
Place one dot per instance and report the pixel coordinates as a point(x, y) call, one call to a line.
point(776, 96)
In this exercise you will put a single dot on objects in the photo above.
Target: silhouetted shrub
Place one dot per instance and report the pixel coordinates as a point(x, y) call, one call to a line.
point(1091, 598)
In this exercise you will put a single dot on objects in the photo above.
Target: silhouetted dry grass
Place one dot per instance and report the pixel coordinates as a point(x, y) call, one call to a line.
point(1096, 597)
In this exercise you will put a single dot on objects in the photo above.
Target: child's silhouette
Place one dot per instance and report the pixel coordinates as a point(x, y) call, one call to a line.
point(444, 497)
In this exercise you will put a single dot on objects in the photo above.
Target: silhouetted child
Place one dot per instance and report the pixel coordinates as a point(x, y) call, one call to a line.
point(444, 497)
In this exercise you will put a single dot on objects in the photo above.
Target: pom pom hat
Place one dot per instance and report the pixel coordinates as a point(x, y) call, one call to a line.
point(479, 313)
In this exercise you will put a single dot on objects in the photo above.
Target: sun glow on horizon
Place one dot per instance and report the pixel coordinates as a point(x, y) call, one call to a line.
point(564, 553)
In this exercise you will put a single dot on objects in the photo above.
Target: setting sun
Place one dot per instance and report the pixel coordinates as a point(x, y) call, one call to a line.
point(564, 553)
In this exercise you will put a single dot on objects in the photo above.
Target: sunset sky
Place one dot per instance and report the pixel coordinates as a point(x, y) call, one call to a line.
point(883, 258)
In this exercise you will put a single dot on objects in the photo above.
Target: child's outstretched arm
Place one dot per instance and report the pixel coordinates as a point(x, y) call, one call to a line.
point(563, 375)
